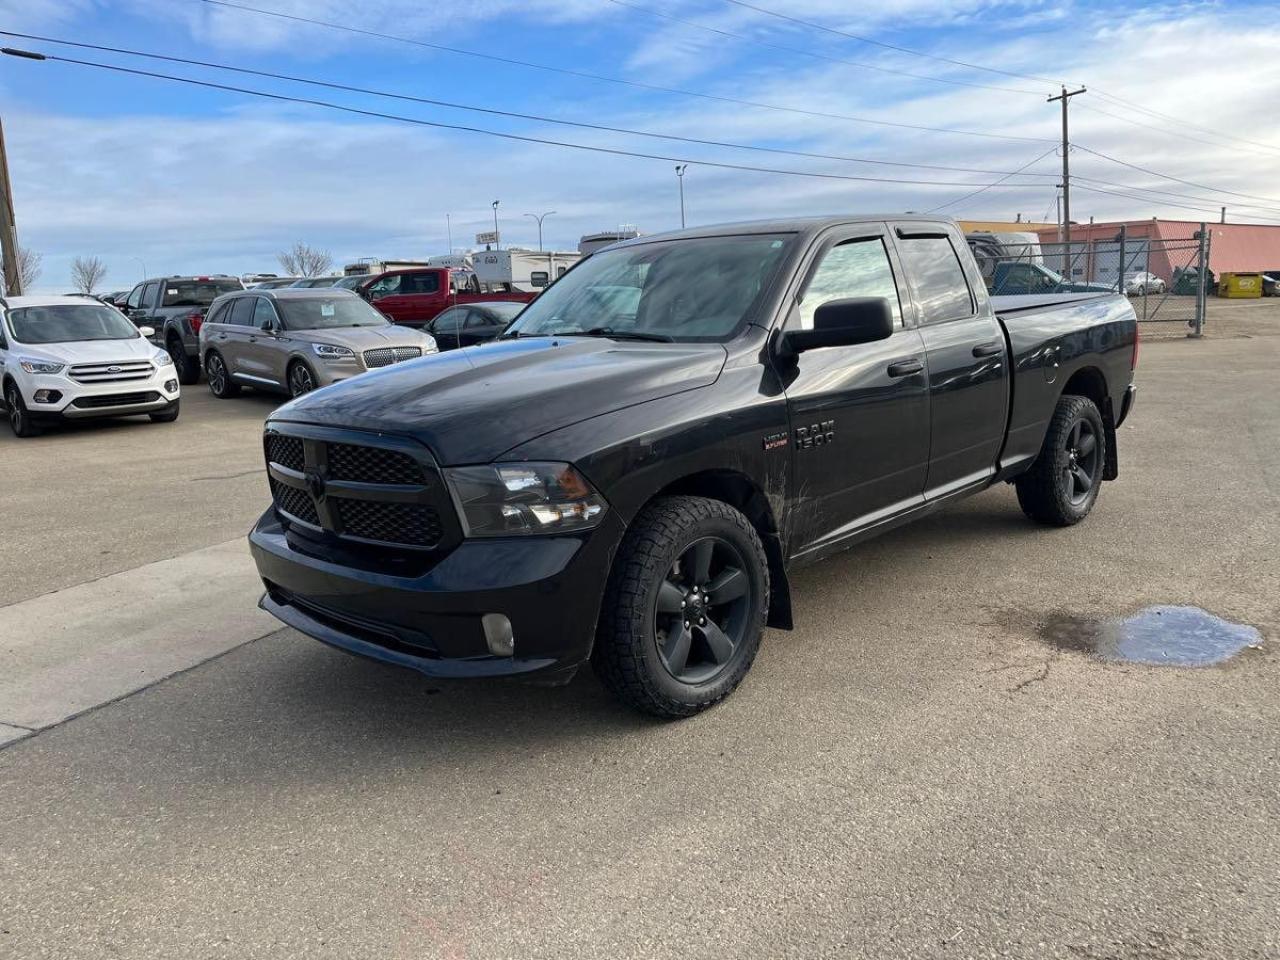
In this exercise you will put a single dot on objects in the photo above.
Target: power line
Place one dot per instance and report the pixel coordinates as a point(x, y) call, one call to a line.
point(1179, 120)
point(502, 113)
point(510, 61)
point(967, 196)
point(1170, 203)
point(1172, 133)
point(890, 46)
point(809, 53)
point(1165, 176)
point(613, 151)
point(1160, 195)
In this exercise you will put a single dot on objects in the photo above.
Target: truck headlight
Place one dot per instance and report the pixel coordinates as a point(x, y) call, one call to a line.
point(508, 499)
point(331, 351)
point(35, 365)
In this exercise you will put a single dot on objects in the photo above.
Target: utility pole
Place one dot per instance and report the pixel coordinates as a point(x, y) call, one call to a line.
point(1064, 96)
point(8, 227)
point(540, 218)
point(1224, 215)
point(680, 169)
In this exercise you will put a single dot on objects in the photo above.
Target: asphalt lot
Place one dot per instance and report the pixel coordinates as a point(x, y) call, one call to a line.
point(913, 772)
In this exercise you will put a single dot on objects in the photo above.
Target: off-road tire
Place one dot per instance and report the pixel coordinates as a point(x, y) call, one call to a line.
point(186, 367)
point(166, 416)
point(626, 656)
point(1043, 491)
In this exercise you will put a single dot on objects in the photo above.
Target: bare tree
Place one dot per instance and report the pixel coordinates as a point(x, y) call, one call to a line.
point(303, 260)
point(87, 273)
point(29, 267)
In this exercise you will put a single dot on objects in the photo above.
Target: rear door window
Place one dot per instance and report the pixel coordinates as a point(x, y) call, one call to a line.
point(419, 283)
point(936, 278)
point(219, 313)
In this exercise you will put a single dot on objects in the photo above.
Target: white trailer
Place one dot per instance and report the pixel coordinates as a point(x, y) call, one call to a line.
point(373, 266)
point(517, 269)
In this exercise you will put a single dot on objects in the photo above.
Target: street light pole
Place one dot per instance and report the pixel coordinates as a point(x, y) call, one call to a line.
point(448, 226)
point(540, 218)
point(142, 263)
point(496, 244)
point(680, 169)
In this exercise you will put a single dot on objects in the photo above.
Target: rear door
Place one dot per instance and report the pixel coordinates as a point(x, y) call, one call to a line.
point(235, 345)
point(859, 414)
point(964, 343)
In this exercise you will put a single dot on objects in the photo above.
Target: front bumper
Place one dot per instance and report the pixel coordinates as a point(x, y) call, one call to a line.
point(550, 588)
point(84, 401)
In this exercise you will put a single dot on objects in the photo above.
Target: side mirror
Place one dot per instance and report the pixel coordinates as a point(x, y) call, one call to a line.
point(147, 332)
point(842, 323)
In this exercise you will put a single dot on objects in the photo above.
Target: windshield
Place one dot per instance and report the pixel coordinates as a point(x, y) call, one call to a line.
point(65, 323)
point(324, 313)
point(197, 293)
point(700, 289)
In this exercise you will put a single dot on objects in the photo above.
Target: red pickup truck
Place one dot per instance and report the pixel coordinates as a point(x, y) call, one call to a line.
point(413, 296)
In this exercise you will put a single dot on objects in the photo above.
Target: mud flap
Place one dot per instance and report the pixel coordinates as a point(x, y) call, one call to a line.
point(1111, 468)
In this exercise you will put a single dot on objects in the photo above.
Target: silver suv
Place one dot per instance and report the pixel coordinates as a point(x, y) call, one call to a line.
point(295, 339)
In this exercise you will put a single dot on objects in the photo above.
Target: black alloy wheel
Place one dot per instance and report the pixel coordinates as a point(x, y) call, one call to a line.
point(300, 379)
point(1083, 466)
point(703, 608)
point(220, 383)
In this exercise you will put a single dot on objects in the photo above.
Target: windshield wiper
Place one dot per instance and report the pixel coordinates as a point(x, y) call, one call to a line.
point(623, 335)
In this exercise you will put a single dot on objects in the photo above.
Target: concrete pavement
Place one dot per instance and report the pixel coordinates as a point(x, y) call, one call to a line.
point(913, 772)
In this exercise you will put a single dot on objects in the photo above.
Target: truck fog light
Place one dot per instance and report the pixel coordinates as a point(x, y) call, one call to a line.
point(48, 396)
point(170, 385)
point(498, 635)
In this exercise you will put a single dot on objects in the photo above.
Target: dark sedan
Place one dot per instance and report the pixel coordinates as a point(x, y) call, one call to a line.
point(470, 323)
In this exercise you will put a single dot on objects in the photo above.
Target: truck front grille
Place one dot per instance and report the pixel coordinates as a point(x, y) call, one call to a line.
point(388, 494)
point(385, 356)
point(120, 371)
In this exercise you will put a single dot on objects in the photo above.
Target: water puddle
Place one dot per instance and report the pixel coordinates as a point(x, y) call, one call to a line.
point(1164, 635)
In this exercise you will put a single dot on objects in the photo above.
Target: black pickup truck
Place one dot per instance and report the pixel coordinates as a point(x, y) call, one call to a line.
point(630, 474)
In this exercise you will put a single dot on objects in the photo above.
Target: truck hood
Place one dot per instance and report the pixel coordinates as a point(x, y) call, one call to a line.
point(471, 405)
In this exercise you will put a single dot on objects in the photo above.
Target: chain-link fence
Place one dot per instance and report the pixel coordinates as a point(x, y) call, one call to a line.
point(1164, 278)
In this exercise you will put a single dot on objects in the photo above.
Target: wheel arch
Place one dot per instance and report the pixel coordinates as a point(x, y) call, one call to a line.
point(745, 495)
point(1090, 381)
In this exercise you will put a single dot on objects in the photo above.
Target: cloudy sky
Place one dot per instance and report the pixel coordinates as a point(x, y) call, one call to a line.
point(177, 178)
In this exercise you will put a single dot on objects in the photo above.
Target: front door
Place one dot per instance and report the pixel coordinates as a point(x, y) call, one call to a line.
point(967, 357)
point(859, 414)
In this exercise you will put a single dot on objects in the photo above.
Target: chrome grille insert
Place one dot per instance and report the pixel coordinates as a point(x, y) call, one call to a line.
point(385, 356)
point(119, 371)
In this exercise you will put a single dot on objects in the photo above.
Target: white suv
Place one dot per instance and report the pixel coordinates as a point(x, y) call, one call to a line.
point(74, 358)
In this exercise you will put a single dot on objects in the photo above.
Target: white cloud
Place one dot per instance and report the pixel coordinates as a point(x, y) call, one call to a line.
point(223, 193)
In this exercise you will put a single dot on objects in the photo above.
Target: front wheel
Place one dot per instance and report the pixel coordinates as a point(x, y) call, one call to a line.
point(301, 379)
point(187, 368)
point(19, 418)
point(166, 416)
point(684, 609)
point(1062, 485)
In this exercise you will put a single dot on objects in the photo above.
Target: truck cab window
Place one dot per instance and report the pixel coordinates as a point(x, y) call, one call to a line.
point(938, 282)
point(419, 283)
point(856, 268)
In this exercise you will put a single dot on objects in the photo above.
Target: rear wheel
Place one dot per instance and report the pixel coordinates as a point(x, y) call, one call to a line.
point(1063, 484)
point(684, 609)
point(220, 383)
point(187, 368)
point(19, 419)
point(301, 379)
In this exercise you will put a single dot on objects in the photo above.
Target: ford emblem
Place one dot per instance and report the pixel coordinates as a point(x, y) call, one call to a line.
point(113, 369)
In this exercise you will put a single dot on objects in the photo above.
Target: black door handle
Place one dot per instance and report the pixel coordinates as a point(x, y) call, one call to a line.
point(904, 368)
point(988, 349)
